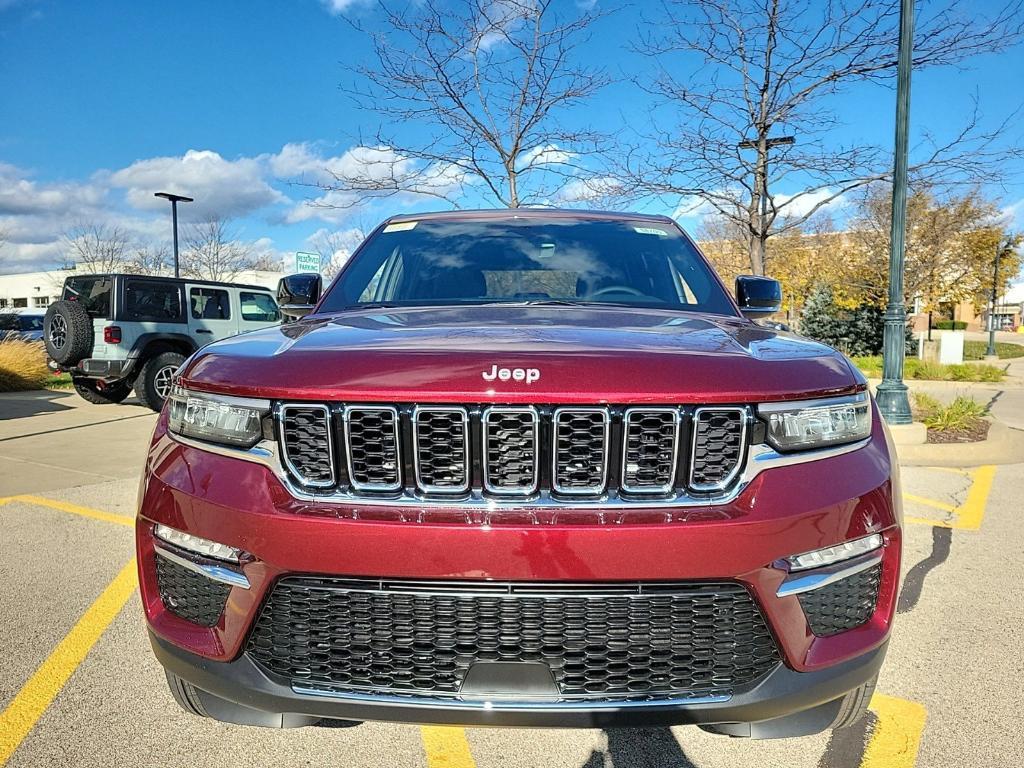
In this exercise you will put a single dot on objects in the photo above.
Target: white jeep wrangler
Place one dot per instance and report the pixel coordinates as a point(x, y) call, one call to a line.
point(116, 332)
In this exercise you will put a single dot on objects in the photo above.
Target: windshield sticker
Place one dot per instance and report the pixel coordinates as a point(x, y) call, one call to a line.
point(402, 226)
point(650, 231)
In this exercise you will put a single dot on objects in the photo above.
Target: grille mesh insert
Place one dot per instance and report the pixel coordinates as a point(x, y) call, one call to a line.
point(510, 436)
point(373, 448)
point(717, 446)
point(441, 443)
point(649, 454)
point(581, 447)
point(306, 435)
point(188, 594)
point(626, 641)
point(844, 605)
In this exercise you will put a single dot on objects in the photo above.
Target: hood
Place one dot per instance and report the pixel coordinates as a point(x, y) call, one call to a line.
point(517, 354)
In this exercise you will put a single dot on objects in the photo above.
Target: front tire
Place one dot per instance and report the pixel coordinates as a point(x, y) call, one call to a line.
point(198, 702)
point(154, 382)
point(855, 704)
point(89, 391)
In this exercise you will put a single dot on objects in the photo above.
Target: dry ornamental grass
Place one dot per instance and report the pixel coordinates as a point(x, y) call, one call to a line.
point(22, 365)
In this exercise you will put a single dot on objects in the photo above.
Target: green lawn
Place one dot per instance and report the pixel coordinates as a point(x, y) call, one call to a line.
point(59, 382)
point(975, 350)
point(917, 369)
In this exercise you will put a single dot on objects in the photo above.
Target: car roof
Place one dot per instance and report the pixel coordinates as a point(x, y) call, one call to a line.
point(530, 213)
point(22, 311)
point(165, 279)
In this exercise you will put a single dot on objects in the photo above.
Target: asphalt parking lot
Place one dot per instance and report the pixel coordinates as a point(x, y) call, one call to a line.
point(79, 686)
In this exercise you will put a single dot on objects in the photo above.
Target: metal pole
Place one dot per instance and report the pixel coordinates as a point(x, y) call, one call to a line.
point(892, 392)
point(174, 220)
point(991, 351)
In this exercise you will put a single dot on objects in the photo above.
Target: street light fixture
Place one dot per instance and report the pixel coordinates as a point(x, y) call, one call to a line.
point(891, 394)
point(175, 199)
point(768, 144)
point(991, 351)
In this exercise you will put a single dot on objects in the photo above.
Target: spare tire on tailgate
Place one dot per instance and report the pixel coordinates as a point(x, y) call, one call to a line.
point(67, 332)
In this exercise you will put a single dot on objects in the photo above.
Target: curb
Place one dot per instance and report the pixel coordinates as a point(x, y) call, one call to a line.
point(1003, 446)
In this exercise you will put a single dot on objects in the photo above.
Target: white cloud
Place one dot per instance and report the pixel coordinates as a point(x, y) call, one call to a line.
point(338, 7)
point(1013, 214)
point(221, 187)
point(19, 195)
point(545, 154)
point(593, 190)
point(802, 203)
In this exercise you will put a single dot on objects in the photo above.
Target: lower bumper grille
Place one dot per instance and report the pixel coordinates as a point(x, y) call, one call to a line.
point(190, 595)
point(846, 604)
point(600, 641)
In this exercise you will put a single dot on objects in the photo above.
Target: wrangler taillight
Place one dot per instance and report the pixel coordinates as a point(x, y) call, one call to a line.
point(112, 334)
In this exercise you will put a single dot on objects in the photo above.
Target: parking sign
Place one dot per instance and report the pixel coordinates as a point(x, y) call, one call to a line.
point(307, 262)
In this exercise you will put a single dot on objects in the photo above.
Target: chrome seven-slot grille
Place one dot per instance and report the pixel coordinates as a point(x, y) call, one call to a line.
point(599, 641)
point(513, 451)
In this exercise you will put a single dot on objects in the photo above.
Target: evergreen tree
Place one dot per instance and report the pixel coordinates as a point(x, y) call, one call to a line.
point(821, 319)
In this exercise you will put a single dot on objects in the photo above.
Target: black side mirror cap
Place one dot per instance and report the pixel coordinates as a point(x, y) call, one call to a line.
point(758, 297)
point(298, 294)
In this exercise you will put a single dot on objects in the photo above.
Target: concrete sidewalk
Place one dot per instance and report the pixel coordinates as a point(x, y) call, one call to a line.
point(53, 439)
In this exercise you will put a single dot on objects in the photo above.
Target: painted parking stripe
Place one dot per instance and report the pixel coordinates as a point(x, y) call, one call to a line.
point(967, 516)
point(446, 747)
point(897, 735)
point(74, 509)
point(21, 715)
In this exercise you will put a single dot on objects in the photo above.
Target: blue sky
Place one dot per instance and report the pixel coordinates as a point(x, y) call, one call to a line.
point(105, 102)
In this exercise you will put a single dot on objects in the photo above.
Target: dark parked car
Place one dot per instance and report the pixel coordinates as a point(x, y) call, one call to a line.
point(529, 468)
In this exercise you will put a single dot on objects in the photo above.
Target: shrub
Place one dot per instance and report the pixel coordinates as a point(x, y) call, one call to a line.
point(950, 325)
point(925, 405)
point(961, 415)
point(22, 365)
point(913, 368)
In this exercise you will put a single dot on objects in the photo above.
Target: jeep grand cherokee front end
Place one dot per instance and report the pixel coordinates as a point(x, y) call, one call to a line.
point(529, 468)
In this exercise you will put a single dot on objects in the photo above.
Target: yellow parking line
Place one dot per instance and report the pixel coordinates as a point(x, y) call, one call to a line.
point(445, 747)
point(75, 509)
point(897, 735)
point(37, 694)
point(967, 516)
point(929, 502)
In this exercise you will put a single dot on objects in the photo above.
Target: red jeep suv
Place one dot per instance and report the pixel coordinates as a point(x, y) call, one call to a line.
point(526, 468)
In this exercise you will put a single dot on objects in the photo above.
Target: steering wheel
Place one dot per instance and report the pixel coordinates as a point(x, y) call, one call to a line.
point(616, 289)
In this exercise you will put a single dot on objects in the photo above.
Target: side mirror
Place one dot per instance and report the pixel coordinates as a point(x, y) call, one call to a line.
point(298, 294)
point(758, 297)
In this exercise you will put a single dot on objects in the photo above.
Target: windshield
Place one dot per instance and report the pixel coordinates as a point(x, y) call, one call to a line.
point(563, 260)
point(93, 291)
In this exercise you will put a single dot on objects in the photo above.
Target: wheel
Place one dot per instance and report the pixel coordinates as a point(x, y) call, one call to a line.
point(198, 702)
point(154, 382)
point(113, 393)
point(855, 704)
point(186, 694)
point(67, 332)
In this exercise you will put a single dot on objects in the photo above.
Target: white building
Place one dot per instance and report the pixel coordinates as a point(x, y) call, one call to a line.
point(37, 290)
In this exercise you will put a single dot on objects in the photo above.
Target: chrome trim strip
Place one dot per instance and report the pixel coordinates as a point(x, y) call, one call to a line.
point(829, 574)
point(281, 415)
point(358, 486)
point(606, 423)
point(521, 490)
point(498, 704)
point(429, 488)
point(760, 458)
point(775, 406)
point(657, 489)
point(209, 570)
point(180, 390)
point(745, 418)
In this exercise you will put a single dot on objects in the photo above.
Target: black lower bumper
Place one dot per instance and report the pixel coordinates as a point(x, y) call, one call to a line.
point(799, 702)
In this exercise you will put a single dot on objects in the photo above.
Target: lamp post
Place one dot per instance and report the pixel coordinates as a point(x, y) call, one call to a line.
point(768, 144)
point(991, 351)
point(891, 395)
point(175, 199)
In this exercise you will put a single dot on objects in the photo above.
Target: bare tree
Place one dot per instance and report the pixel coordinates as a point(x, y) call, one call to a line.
point(489, 82)
point(98, 248)
point(335, 247)
point(149, 259)
point(213, 252)
point(735, 76)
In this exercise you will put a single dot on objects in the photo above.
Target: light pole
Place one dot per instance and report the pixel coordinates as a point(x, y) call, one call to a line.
point(763, 192)
point(891, 395)
point(175, 199)
point(991, 351)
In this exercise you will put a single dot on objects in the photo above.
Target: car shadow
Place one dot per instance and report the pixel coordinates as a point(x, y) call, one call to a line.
point(640, 748)
point(21, 405)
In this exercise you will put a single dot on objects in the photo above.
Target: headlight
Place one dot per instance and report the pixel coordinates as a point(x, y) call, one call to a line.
point(817, 423)
point(836, 554)
point(236, 421)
